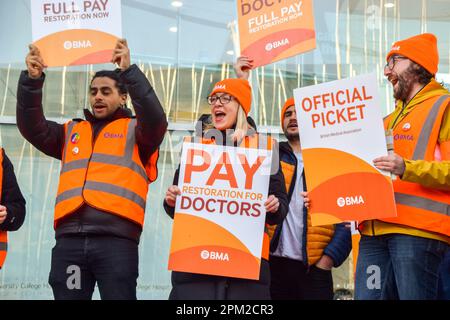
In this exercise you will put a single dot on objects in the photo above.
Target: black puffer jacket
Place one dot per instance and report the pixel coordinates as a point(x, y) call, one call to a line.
point(48, 137)
point(11, 198)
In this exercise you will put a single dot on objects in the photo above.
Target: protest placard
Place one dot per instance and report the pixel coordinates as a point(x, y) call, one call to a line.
point(76, 32)
point(273, 30)
point(341, 133)
point(219, 217)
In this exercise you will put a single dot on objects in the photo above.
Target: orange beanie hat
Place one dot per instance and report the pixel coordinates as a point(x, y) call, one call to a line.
point(422, 49)
point(238, 88)
point(289, 102)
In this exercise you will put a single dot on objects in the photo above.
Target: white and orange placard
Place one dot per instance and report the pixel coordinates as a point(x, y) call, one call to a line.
point(219, 217)
point(341, 133)
point(76, 32)
point(274, 30)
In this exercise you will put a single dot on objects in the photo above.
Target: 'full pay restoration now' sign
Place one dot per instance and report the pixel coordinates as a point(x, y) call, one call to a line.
point(272, 30)
point(341, 133)
point(76, 32)
point(219, 218)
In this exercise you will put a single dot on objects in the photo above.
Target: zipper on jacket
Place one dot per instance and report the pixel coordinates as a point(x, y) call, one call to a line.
point(398, 116)
point(94, 139)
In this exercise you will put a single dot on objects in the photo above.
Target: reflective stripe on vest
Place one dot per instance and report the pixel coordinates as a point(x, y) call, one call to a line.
point(96, 188)
point(422, 203)
point(3, 234)
point(254, 141)
point(418, 206)
point(424, 137)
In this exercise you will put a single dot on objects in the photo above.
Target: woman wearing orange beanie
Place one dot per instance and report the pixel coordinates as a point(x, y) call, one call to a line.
point(230, 102)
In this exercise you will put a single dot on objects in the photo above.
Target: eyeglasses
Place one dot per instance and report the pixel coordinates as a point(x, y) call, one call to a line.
point(392, 61)
point(224, 99)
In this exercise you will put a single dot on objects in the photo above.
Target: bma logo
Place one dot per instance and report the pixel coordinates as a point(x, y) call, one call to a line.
point(110, 135)
point(77, 44)
point(395, 48)
point(213, 255)
point(350, 201)
point(220, 86)
point(406, 137)
point(406, 126)
point(276, 44)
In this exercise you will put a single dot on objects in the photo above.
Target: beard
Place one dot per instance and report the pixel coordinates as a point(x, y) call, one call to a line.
point(291, 136)
point(405, 84)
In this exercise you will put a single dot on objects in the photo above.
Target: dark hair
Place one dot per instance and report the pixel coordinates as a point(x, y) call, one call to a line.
point(423, 75)
point(114, 75)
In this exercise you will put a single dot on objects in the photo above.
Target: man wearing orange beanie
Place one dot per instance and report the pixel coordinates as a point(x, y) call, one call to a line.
point(399, 257)
point(302, 256)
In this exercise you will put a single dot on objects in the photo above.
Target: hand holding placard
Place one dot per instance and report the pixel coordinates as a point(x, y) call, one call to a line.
point(306, 200)
point(121, 54)
point(272, 204)
point(35, 63)
point(3, 214)
point(392, 163)
point(171, 195)
point(243, 66)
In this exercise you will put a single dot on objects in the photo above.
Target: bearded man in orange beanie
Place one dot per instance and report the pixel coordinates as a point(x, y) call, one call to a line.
point(399, 257)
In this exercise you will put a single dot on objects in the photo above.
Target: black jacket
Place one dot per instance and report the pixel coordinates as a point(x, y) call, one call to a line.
point(48, 137)
point(11, 198)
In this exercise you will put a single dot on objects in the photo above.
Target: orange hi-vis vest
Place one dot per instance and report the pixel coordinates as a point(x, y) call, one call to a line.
point(3, 234)
point(105, 173)
point(255, 141)
point(416, 138)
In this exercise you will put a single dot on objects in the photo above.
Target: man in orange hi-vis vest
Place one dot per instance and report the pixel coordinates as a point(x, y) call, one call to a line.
point(399, 257)
point(12, 204)
point(107, 163)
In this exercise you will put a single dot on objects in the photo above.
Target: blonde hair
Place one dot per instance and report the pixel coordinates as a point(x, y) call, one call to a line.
point(241, 127)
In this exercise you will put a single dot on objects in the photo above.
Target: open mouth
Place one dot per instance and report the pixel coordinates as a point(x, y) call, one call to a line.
point(293, 125)
point(219, 115)
point(99, 107)
point(394, 81)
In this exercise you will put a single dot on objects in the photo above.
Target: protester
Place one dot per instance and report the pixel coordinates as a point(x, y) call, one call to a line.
point(107, 163)
point(230, 102)
point(399, 257)
point(12, 204)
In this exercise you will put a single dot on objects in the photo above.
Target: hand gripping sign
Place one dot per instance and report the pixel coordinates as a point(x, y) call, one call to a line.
point(341, 132)
point(76, 32)
point(219, 216)
point(272, 30)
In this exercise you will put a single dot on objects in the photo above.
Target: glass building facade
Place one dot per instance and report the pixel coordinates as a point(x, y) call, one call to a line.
point(183, 51)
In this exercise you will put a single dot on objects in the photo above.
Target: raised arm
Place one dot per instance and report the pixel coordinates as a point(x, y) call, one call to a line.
point(47, 136)
point(151, 119)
